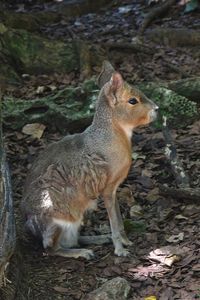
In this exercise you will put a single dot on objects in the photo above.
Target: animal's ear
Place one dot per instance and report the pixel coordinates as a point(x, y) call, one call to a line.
point(106, 73)
point(114, 86)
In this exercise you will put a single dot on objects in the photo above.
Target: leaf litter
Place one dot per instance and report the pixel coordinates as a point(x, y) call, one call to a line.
point(165, 258)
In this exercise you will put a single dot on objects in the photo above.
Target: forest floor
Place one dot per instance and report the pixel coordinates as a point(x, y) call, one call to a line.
point(159, 221)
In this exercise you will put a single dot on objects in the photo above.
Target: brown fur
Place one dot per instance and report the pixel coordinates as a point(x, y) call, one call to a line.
point(69, 175)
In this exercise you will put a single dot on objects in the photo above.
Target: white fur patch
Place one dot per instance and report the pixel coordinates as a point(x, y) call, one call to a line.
point(65, 224)
point(128, 131)
point(152, 115)
point(46, 200)
point(69, 236)
point(92, 205)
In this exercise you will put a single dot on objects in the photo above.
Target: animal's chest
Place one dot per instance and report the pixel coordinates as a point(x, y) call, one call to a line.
point(120, 166)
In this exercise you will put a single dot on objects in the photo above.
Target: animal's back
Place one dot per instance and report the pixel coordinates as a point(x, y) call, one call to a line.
point(67, 170)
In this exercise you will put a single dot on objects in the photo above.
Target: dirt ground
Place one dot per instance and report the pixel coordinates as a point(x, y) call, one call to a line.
point(159, 221)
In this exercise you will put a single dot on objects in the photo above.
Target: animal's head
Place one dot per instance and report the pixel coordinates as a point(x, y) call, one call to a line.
point(130, 107)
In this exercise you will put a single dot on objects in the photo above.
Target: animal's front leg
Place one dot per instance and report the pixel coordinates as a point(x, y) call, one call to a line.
point(124, 238)
point(110, 204)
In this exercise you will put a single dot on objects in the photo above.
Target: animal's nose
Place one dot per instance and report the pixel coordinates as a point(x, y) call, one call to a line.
point(156, 107)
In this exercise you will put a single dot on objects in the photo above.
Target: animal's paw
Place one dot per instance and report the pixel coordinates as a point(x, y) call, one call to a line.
point(122, 252)
point(126, 242)
point(87, 254)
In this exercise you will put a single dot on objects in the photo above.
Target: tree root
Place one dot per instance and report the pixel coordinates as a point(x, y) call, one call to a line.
point(175, 37)
point(136, 46)
point(155, 13)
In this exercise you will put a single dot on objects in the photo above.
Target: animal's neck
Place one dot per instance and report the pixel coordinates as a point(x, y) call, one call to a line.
point(105, 122)
point(103, 117)
point(127, 130)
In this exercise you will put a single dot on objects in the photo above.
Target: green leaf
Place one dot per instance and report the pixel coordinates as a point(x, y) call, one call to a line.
point(134, 226)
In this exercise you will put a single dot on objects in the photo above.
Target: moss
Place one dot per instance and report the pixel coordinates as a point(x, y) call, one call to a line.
point(178, 109)
point(71, 109)
point(24, 52)
point(33, 54)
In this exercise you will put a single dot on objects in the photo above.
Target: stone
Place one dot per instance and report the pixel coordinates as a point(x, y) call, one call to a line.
point(115, 289)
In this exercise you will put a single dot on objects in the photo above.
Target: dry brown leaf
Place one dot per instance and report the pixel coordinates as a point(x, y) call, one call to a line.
point(196, 268)
point(125, 195)
point(148, 270)
point(35, 130)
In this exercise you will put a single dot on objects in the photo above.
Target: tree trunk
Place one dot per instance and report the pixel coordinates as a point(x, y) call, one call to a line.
point(24, 52)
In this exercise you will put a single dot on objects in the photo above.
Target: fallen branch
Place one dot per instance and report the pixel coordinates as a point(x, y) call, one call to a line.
point(155, 13)
point(181, 193)
point(181, 178)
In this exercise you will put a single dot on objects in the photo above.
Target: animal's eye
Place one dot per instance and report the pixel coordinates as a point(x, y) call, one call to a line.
point(133, 101)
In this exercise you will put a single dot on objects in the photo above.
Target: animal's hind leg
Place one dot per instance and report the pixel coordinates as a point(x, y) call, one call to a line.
point(96, 239)
point(60, 240)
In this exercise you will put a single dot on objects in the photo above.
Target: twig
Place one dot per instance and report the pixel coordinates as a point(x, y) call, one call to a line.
point(154, 13)
point(182, 179)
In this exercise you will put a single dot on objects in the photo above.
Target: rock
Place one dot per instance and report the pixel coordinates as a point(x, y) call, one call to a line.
point(115, 289)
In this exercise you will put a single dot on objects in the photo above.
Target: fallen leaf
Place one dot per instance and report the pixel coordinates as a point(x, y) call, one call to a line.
point(40, 90)
point(61, 289)
point(133, 226)
point(172, 259)
point(195, 128)
point(125, 195)
point(150, 298)
point(136, 210)
point(35, 130)
point(166, 256)
point(180, 217)
point(136, 156)
point(153, 195)
point(52, 87)
point(175, 238)
point(196, 268)
point(148, 270)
